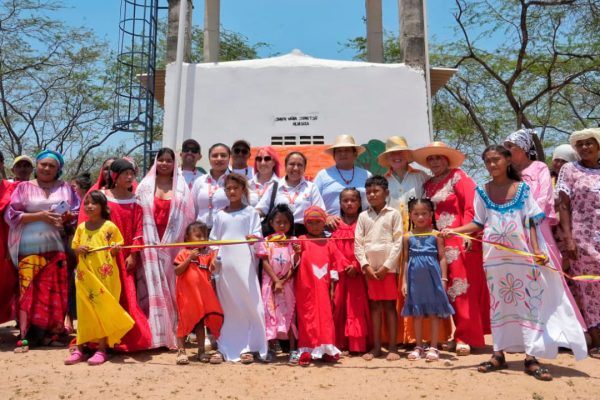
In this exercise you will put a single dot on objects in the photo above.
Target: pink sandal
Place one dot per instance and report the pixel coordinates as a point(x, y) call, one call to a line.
point(98, 358)
point(75, 357)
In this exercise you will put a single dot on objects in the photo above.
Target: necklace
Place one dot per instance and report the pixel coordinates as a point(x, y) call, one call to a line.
point(346, 181)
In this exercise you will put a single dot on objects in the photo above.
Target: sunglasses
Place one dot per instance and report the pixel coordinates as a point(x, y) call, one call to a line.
point(194, 150)
point(241, 151)
point(265, 158)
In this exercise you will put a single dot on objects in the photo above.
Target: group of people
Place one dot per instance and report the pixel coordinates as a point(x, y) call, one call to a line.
point(346, 263)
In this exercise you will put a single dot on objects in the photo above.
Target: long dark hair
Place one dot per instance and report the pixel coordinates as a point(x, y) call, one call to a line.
point(287, 212)
point(511, 172)
point(97, 197)
point(165, 150)
point(412, 202)
point(356, 192)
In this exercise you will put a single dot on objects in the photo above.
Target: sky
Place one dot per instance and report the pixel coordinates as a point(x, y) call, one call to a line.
point(317, 27)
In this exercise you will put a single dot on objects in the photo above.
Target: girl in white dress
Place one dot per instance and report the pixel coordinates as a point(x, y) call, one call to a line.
point(243, 334)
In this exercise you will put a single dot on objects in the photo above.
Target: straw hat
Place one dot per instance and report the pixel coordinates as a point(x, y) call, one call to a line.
point(455, 157)
point(394, 143)
point(345, 141)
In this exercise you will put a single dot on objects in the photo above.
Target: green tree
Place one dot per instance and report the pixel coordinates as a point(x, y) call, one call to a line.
point(533, 64)
point(53, 91)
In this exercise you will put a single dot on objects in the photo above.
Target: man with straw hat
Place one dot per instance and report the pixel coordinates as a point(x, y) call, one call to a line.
point(344, 174)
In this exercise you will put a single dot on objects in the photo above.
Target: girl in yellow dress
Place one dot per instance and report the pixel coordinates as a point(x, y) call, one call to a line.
point(101, 319)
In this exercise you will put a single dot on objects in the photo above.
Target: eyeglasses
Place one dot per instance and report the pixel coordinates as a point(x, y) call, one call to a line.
point(265, 158)
point(242, 150)
point(194, 150)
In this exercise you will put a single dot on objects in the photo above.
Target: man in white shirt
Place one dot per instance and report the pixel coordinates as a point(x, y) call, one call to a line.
point(190, 155)
point(240, 154)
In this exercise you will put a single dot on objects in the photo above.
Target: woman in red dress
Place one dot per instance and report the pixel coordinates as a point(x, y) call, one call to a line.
point(8, 273)
point(452, 191)
point(127, 215)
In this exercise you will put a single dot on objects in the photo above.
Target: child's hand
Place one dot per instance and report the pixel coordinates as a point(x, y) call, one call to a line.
point(445, 283)
point(82, 250)
point(115, 249)
point(288, 276)
point(350, 271)
point(277, 286)
point(194, 254)
point(369, 272)
point(297, 248)
point(405, 289)
point(381, 273)
point(468, 244)
point(253, 237)
point(445, 233)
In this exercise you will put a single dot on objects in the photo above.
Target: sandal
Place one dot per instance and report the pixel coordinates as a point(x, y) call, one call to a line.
point(392, 356)
point(53, 342)
point(294, 357)
point(496, 363)
point(416, 354)
point(432, 354)
point(538, 372)
point(463, 349)
point(371, 355)
point(182, 358)
point(246, 358)
point(203, 358)
point(75, 357)
point(216, 358)
point(594, 352)
point(22, 346)
point(98, 358)
point(305, 359)
point(328, 358)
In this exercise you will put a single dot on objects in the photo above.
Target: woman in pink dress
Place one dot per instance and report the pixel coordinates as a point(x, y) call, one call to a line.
point(537, 176)
point(38, 213)
point(8, 275)
point(579, 190)
point(167, 209)
point(452, 191)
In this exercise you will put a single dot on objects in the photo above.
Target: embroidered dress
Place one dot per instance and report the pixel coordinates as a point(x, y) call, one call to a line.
point(530, 310)
point(126, 214)
point(316, 332)
point(99, 314)
point(279, 307)
point(453, 199)
point(425, 292)
point(537, 176)
point(38, 251)
point(156, 280)
point(582, 185)
point(237, 286)
point(351, 314)
point(196, 298)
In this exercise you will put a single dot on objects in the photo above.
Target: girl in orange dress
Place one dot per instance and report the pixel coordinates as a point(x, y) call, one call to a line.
point(197, 303)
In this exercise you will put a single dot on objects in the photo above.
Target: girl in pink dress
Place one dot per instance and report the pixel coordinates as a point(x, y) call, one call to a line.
point(279, 261)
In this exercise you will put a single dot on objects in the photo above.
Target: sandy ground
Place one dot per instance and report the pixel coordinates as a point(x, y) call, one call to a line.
point(40, 374)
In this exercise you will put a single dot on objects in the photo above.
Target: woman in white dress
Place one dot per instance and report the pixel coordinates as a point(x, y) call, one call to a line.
point(243, 333)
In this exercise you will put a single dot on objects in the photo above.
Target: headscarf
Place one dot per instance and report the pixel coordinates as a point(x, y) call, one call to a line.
point(523, 138)
point(55, 155)
point(585, 134)
point(565, 152)
point(314, 213)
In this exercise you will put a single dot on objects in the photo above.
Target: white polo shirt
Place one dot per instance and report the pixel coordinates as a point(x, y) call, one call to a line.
point(298, 198)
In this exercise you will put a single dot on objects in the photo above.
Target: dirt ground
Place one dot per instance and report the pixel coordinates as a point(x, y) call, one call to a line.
point(40, 374)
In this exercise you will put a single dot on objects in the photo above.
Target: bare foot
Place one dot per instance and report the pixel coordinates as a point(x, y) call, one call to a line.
point(374, 353)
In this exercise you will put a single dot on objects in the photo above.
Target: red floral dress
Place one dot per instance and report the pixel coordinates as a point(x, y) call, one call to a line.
point(467, 290)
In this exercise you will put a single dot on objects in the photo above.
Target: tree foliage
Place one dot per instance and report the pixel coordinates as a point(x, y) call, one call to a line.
point(53, 91)
point(521, 63)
